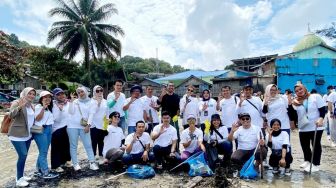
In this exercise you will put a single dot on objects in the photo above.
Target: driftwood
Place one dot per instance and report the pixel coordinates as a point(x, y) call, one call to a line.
point(193, 182)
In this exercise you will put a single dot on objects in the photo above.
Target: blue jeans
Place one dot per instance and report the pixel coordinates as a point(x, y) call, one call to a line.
point(225, 148)
point(73, 134)
point(21, 148)
point(129, 159)
point(43, 141)
point(122, 123)
point(130, 129)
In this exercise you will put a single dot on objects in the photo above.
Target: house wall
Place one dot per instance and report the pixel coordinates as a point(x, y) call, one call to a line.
point(156, 87)
point(236, 85)
point(319, 52)
point(199, 87)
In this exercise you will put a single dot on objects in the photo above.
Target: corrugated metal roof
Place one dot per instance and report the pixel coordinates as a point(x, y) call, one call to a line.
point(234, 73)
point(196, 73)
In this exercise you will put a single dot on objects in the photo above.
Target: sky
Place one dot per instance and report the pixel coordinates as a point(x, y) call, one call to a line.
point(196, 34)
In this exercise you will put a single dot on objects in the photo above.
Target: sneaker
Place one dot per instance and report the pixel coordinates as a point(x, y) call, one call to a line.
point(27, 178)
point(315, 168)
point(159, 166)
point(50, 175)
point(101, 160)
point(38, 173)
point(22, 182)
point(68, 164)
point(77, 167)
point(305, 164)
point(59, 170)
point(288, 172)
point(93, 166)
point(265, 164)
point(275, 170)
point(328, 137)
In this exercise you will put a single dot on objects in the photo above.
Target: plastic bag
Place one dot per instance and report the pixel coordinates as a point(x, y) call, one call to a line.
point(248, 171)
point(140, 171)
point(199, 167)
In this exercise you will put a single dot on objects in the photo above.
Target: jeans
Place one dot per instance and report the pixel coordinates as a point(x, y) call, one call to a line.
point(43, 141)
point(131, 129)
point(240, 156)
point(122, 124)
point(129, 159)
point(60, 148)
point(97, 139)
point(161, 152)
point(73, 134)
point(225, 148)
point(21, 148)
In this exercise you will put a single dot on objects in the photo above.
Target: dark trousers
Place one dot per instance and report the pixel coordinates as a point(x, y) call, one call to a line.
point(151, 127)
point(239, 157)
point(306, 140)
point(161, 152)
point(97, 139)
point(276, 157)
point(176, 126)
point(60, 148)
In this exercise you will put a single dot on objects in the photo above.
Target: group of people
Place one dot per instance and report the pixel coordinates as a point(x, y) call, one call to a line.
point(131, 130)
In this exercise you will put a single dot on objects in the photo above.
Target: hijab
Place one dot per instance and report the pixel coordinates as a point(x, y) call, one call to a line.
point(86, 98)
point(203, 95)
point(24, 94)
point(275, 133)
point(299, 99)
point(268, 93)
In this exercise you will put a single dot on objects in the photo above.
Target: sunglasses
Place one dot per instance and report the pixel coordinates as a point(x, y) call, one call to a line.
point(245, 119)
point(99, 90)
point(191, 120)
point(190, 90)
point(117, 117)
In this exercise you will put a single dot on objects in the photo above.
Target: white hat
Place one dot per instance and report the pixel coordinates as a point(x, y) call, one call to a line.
point(44, 93)
point(191, 116)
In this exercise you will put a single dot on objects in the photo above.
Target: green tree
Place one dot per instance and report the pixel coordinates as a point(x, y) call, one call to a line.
point(82, 29)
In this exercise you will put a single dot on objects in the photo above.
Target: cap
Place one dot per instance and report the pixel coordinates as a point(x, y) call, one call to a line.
point(330, 87)
point(57, 91)
point(136, 87)
point(191, 116)
point(248, 86)
point(44, 93)
point(244, 115)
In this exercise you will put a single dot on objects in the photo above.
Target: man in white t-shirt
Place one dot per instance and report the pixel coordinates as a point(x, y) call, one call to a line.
point(165, 139)
point(191, 139)
point(114, 139)
point(332, 117)
point(137, 146)
point(116, 101)
point(135, 107)
point(151, 108)
point(227, 105)
point(248, 136)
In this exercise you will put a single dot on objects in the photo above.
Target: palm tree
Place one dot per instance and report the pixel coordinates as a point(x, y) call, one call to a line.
point(82, 29)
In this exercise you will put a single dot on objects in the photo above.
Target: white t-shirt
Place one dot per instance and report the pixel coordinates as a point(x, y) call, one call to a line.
point(311, 105)
point(30, 120)
point(256, 115)
point(214, 136)
point(207, 113)
point(118, 106)
point(47, 119)
point(167, 137)
point(113, 139)
point(135, 111)
point(278, 141)
point(332, 99)
point(74, 113)
point(229, 113)
point(60, 117)
point(247, 138)
point(147, 101)
point(278, 109)
point(191, 108)
point(137, 147)
point(97, 114)
point(195, 137)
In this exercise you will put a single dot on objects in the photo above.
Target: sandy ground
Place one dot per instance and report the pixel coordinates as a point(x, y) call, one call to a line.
point(326, 177)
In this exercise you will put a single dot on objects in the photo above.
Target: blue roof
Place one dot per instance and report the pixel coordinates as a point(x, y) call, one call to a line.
point(234, 73)
point(153, 81)
point(196, 73)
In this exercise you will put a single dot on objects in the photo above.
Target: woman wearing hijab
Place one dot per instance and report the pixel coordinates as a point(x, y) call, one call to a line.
point(19, 133)
point(310, 112)
point(44, 118)
point(98, 113)
point(275, 107)
point(60, 147)
point(278, 141)
point(78, 127)
point(206, 107)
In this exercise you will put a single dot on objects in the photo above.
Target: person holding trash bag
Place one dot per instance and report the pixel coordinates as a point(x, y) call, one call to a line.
point(248, 136)
point(310, 112)
point(278, 141)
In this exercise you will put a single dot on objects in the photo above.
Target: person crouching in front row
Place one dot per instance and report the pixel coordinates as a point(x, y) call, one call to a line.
point(137, 146)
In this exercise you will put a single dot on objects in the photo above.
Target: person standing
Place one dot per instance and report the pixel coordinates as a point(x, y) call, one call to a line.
point(189, 105)
point(78, 127)
point(326, 118)
point(98, 114)
point(310, 112)
point(206, 107)
point(60, 147)
point(332, 117)
point(19, 133)
point(152, 108)
point(116, 101)
point(227, 105)
point(135, 107)
point(44, 118)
